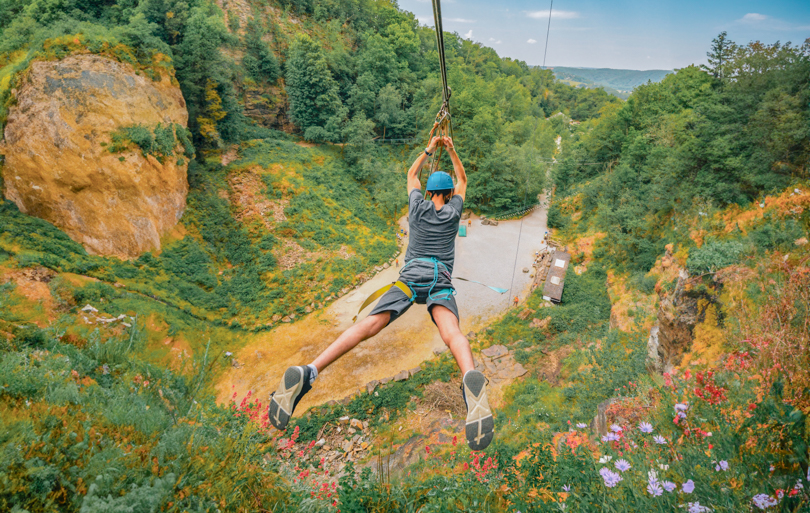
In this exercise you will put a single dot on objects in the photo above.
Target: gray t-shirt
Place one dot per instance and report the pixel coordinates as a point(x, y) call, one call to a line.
point(432, 233)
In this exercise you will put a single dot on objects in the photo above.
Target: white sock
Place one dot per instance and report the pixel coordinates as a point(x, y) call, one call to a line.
point(314, 373)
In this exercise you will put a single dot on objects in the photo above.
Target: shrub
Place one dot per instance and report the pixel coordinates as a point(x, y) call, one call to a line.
point(714, 255)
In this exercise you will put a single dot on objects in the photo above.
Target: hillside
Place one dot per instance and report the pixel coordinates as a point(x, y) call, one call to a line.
point(619, 82)
point(672, 377)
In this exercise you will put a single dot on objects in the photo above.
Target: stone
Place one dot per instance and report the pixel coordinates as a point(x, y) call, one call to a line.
point(540, 324)
point(286, 318)
point(365, 425)
point(401, 376)
point(599, 424)
point(372, 385)
point(58, 164)
point(346, 446)
point(356, 424)
point(465, 215)
point(327, 448)
point(344, 420)
point(386, 266)
point(800, 242)
point(440, 350)
point(383, 381)
point(321, 442)
point(413, 371)
point(308, 309)
point(523, 315)
point(525, 269)
point(471, 335)
point(351, 430)
point(495, 351)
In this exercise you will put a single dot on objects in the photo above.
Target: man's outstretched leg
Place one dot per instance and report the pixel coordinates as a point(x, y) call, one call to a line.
point(297, 381)
point(480, 426)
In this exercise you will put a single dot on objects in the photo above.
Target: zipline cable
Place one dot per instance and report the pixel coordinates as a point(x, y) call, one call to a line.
point(548, 29)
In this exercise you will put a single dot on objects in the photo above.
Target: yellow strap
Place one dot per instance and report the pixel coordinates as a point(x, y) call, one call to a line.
point(374, 296)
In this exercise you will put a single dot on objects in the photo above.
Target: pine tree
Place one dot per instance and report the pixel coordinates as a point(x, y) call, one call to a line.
point(721, 52)
point(311, 89)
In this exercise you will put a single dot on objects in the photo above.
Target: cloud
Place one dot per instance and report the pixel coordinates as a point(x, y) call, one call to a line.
point(560, 15)
point(753, 17)
point(531, 41)
point(460, 20)
point(468, 35)
point(494, 41)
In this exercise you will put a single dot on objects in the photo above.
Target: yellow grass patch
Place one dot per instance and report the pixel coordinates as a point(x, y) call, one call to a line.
point(709, 339)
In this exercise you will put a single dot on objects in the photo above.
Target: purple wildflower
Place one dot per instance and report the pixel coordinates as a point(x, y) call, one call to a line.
point(581, 425)
point(660, 440)
point(616, 428)
point(654, 489)
point(669, 485)
point(622, 465)
point(610, 437)
point(566, 488)
point(611, 478)
point(723, 465)
point(763, 501)
point(688, 487)
point(645, 427)
point(695, 507)
point(681, 407)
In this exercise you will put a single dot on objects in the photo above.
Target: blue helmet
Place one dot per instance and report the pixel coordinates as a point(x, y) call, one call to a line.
point(439, 181)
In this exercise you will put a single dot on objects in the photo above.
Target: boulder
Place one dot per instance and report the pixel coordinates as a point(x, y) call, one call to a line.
point(372, 385)
point(401, 376)
point(495, 351)
point(58, 163)
point(538, 324)
point(415, 370)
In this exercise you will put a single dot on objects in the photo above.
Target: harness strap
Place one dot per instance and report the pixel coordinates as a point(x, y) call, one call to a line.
point(496, 289)
point(374, 296)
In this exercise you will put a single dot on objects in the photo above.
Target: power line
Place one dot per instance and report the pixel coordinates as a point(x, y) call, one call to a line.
point(548, 29)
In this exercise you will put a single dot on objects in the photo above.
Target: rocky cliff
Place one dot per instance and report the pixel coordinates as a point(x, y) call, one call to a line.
point(58, 166)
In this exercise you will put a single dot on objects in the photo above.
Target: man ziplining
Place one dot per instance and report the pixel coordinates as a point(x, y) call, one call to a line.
point(425, 278)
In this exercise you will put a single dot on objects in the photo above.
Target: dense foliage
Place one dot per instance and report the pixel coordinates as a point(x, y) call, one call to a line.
point(353, 72)
point(677, 151)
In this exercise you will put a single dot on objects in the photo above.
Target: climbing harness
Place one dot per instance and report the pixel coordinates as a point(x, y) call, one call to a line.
point(408, 287)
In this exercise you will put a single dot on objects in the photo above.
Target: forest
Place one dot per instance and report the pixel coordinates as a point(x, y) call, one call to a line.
point(356, 71)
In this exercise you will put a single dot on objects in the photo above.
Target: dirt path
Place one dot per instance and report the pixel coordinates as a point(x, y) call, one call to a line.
point(489, 254)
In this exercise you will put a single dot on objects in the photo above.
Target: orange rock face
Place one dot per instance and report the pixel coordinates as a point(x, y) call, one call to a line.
point(57, 168)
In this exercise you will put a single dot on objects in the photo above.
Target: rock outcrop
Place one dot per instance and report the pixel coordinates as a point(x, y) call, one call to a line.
point(57, 167)
point(672, 335)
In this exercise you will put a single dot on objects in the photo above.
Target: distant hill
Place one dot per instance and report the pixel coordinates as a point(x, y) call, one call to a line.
point(619, 82)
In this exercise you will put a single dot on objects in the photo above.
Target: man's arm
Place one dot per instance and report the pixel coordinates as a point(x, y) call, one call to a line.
point(458, 167)
point(413, 172)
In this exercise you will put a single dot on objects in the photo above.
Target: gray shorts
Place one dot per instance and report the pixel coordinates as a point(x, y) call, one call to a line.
point(396, 302)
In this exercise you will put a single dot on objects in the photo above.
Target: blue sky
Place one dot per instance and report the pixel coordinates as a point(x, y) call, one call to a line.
point(629, 34)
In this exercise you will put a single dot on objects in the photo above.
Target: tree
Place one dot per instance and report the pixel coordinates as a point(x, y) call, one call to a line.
point(721, 52)
point(259, 61)
point(389, 108)
point(312, 91)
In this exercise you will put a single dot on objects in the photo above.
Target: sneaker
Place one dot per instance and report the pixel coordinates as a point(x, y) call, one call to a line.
point(480, 424)
point(294, 385)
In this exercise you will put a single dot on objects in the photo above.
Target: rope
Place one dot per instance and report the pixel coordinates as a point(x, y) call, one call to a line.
point(516, 213)
point(548, 29)
point(442, 126)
